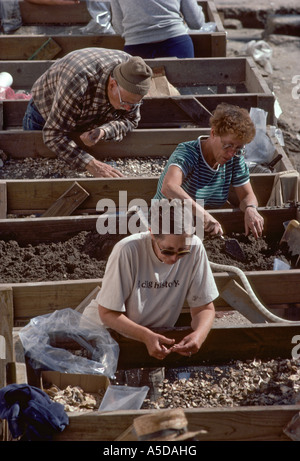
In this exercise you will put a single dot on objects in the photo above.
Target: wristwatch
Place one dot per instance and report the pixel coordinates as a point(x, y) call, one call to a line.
point(250, 206)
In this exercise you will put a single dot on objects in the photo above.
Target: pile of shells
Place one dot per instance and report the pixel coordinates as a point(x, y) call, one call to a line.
point(43, 168)
point(74, 398)
point(256, 382)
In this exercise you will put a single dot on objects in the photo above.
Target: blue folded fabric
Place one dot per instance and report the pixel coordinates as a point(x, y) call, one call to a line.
point(30, 413)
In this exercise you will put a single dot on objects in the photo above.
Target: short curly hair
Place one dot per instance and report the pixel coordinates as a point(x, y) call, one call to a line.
point(229, 119)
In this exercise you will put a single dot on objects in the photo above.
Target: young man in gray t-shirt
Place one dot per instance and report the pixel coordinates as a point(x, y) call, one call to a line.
point(148, 277)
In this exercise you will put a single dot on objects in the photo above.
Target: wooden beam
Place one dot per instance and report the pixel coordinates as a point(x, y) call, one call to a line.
point(139, 143)
point(37, 195)
point(221, 346)
point(46, 14)
point(40, 230)
point(199, 76)
point(37, 298)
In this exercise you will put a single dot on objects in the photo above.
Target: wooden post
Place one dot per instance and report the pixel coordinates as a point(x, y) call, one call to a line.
point(6, 326)
point(6, 348)
point(1, 115)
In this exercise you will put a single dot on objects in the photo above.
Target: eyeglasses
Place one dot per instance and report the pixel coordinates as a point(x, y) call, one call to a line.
point(238, 151)
point(166, 252)
point(125, 104)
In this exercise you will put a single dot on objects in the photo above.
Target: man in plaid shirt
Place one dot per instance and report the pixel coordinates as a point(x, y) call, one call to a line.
point(95, 91)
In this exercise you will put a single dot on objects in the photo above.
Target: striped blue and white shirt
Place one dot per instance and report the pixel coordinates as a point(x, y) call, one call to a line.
point(201, 182)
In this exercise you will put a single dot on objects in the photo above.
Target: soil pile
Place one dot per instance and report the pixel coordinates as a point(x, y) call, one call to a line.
point(84, 256)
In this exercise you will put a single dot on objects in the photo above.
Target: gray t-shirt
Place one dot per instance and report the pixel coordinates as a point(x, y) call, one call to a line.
point(148, 291)
point(147, 21)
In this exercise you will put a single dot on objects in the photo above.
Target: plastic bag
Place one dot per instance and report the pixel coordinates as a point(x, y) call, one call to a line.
point(123, 398)
point(261, 148)
point(261, 53)
point(10, 15)
point(207, 28)
point(101, 18)
point(44, 333)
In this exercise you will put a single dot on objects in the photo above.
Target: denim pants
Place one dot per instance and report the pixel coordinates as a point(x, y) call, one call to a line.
point(32, 119)
point(180, 47)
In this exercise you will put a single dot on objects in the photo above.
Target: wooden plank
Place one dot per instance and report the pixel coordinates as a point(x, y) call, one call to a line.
point(238, 343)
point(19, 47)
point(37, 298)
point(221, 424)
point(45, 14)
point(200, 75)
point(138, 143)
point(38, 230)
point(67, 202)
point(161, 112)
point(38, 195)
point(48, 50)
point(238, 298)
point(45, 229)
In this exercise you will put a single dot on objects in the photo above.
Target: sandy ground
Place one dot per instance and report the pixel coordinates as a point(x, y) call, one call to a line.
point(284, 80)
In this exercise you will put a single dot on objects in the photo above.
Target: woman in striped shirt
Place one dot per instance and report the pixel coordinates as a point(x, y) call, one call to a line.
point(204, 169)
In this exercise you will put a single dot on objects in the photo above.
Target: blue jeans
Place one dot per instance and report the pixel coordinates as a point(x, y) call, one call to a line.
point(32, 119)
point(180, 47)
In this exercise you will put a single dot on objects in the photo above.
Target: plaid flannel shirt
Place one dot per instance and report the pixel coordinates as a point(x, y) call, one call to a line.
point(71, 96)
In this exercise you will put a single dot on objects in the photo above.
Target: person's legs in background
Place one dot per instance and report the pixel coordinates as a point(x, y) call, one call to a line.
point(144, 50)
point(179, 47)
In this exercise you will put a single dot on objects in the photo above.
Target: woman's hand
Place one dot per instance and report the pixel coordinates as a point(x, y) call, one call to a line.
point(211, 225)
point(254, 222)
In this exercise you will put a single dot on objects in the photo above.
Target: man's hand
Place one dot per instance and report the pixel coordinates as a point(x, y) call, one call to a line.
point(91, 137)
point(157, 345)
point(54, 2)
point(102, 170)
point(189, 345)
